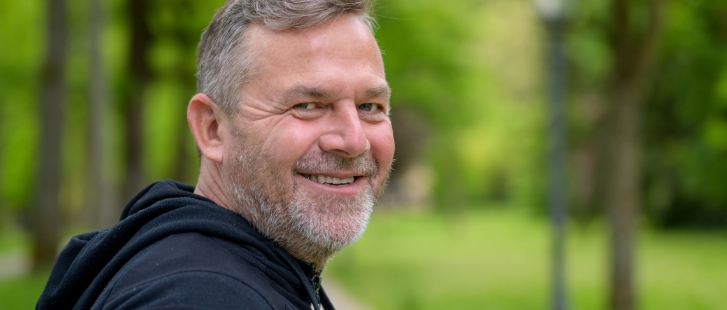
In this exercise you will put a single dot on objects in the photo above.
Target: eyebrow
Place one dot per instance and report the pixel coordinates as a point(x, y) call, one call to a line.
point(379, 91)
point(307, 91)
point(320, 93)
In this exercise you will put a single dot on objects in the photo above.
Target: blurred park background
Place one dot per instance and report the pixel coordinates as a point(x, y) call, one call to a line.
point(93, 97)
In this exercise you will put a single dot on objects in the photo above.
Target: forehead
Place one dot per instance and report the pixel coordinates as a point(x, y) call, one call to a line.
point(345, 43)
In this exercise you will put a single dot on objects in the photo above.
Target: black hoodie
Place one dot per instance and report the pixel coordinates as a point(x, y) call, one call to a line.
point(173, 249)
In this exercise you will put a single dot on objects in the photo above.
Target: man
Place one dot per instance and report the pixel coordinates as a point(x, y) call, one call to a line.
point(295, 143)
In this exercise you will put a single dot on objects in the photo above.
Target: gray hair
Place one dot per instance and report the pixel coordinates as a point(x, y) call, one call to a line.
point(224, 65)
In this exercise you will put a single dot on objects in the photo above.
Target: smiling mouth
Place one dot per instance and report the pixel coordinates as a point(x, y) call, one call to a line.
point(328, 180)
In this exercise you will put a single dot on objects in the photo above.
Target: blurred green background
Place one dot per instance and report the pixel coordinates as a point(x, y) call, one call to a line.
point(464, 223)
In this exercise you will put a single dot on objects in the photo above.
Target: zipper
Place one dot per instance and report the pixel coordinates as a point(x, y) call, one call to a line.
point(316, 279)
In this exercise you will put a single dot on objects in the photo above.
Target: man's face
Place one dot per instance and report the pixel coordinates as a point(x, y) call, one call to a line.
point(313, 143)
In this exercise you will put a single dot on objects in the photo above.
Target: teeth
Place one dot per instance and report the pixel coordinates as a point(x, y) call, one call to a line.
point(328, 180)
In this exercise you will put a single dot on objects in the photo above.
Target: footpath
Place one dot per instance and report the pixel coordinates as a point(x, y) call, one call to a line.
point(17, 264)
point(13, 265)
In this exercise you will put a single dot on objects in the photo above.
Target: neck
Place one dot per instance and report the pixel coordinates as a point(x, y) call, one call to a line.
point(209, 184)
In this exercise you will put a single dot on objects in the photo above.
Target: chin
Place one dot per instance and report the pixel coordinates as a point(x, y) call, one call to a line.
point(329, 222)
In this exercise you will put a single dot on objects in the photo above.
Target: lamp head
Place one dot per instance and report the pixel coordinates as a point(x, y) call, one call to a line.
point(550, 10)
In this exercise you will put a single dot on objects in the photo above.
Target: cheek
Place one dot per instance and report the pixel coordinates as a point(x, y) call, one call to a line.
point(288, 142)
point(381, 138)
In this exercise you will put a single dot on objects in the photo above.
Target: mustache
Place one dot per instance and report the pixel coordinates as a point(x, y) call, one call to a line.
point(364, 165)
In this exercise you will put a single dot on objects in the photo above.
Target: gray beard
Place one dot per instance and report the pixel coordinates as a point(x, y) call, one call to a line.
point(311, 226)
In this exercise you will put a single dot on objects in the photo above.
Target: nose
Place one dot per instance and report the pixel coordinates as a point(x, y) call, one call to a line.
point(346, 136)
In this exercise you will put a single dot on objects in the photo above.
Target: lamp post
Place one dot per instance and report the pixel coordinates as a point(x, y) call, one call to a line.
point(552, 13)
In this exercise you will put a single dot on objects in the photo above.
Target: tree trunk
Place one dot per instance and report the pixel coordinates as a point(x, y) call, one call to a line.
point(183, 165)
point(183, 159)
point(102, 199)
point(624, 197)
point(45, 213)
point(186, 39)
point(139, 76)
point(635, 57)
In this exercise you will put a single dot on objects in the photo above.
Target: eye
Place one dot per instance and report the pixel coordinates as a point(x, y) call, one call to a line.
point(369, 107)
point(305, 106)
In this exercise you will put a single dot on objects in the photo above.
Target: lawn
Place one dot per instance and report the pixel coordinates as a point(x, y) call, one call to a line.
point(500, 259)
point(21, 292)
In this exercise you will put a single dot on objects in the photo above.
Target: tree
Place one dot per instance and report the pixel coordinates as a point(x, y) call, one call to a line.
point(635, 55)
point(102, 197)
point(45, 212)
point(182, 34)
point(614, 141)
point(139, 77)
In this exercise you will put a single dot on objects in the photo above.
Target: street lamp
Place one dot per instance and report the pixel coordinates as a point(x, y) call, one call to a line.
point(552, 13)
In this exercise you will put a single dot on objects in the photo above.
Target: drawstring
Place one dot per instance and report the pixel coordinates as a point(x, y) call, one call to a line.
point(325, 302)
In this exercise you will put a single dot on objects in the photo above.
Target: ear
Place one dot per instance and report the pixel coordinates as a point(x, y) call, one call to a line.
point(206, 121)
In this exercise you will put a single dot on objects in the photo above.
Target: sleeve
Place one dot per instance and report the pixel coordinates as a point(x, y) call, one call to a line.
point(190, 290)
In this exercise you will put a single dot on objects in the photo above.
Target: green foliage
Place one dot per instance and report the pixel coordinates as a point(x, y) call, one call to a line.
point(500, 259)
point(176, 30)
point(424, 45)
point(685, 126)
point(469, 68)
point(20, 24)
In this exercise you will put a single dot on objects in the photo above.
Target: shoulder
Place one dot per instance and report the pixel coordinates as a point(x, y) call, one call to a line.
point(194, 271)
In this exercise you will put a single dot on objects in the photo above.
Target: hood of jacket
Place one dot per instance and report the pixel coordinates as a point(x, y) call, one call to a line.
point(89, 261)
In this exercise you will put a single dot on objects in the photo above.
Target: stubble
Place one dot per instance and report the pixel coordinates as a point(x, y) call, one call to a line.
point(311, 225)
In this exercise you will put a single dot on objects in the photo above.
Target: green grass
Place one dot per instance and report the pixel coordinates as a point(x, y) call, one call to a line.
point(500, 259)
point(21, 292)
